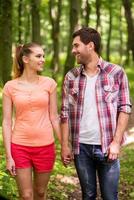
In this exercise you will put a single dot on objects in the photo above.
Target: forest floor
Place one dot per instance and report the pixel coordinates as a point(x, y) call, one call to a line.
point(76, 194)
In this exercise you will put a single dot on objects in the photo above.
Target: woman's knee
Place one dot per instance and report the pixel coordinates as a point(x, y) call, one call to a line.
point(27, 195)
point(40, 192)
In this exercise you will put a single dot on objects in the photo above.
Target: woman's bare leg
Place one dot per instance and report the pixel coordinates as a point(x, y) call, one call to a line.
point(40, 185)
point(24, 182)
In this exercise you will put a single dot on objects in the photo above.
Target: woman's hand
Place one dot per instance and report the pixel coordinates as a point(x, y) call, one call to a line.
point(66, 155)
point(10, 166)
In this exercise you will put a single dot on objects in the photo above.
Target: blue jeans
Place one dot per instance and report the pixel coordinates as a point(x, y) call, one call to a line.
point(92, 161)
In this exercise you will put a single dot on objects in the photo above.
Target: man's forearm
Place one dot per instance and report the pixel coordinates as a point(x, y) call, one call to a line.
point(121, 126)
point(65, 134)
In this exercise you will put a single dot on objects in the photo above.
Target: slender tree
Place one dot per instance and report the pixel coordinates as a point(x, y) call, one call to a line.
point(121, 34)
point(20, 21)
point(28, 24)
point(130, 25)
point(5, 39)
point(85, 12)
point(73, 22)
point(109, 33)
point(35, 8)
point(98, 6)
point(55, 13)
point(0, 42)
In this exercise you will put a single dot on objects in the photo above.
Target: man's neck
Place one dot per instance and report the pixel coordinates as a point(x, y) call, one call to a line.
point(91, 68)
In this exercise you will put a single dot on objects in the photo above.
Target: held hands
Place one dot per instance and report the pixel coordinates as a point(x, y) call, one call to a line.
point(10, 166)
point(66, 155)
point(114, 150)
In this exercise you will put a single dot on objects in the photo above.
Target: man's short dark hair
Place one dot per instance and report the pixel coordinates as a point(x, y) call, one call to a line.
point(89, 35)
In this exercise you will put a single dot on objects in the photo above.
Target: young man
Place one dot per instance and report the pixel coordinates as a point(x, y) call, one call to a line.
point(94, 114)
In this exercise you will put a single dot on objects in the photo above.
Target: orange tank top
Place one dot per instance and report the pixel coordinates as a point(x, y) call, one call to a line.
point(32, 125)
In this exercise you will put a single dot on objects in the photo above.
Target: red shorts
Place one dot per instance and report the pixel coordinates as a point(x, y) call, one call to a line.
point(40, 158)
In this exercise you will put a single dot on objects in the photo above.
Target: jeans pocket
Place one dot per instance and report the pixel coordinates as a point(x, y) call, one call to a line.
point(98, 155)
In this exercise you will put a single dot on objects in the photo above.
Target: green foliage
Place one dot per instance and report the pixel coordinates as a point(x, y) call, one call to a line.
point(7, 183)
point(0, 107)
point(58, 187)
point(130, 73)
point(127, 171)
point(61, 182)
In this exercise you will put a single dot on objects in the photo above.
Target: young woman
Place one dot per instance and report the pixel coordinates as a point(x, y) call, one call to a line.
point(29, 119)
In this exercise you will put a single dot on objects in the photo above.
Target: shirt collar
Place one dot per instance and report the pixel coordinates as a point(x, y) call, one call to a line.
point(101, 63)
point(80, 69)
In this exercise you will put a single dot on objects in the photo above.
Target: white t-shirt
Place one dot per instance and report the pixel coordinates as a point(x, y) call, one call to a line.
point(89, 125)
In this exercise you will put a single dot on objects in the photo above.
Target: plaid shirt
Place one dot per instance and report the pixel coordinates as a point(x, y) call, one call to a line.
point(112, 97)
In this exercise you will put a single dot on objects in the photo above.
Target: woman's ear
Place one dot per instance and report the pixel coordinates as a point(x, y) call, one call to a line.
point(25, 59)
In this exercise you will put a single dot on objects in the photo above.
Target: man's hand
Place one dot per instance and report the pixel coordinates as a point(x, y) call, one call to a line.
point(114, 150)
point(114, 147)
point(66, 155)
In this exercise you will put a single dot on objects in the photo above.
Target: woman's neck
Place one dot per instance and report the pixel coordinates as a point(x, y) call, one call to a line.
point(29, 77)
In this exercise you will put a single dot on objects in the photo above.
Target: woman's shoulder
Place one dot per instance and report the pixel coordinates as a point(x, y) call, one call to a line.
point(9, 87)
point(47, 79)
point(11, 82)
point(48, 83)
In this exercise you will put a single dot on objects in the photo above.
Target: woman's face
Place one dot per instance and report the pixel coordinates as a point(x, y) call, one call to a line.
point(35, 60)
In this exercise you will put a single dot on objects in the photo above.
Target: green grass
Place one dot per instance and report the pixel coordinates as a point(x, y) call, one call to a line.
point(130, 74)
point(59, 189)
point(127, 173)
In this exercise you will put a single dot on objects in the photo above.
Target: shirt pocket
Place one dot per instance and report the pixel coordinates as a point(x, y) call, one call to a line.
point(73, 96)
point(111, 93)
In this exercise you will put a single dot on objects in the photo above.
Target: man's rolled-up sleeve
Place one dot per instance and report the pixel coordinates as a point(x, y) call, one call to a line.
point(64, 116)
point(124, 104)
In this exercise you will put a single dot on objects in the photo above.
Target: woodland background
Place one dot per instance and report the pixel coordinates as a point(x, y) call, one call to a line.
point(51, 23)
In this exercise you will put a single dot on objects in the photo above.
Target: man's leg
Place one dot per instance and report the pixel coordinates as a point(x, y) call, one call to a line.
point(86, 171)
point(108, 173)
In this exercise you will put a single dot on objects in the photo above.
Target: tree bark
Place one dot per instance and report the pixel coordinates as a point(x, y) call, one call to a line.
point(20, 21)
point(109, 33)
point(0, 42)
point(27, 23)
point(130, 25)
point(121, 35)
point(74, 13)
point(98, 6)
point(85, 12)
point(55, 13)
point(5, 40)
point(35, 6)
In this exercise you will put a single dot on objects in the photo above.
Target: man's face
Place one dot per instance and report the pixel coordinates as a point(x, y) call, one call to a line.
point(80, 51)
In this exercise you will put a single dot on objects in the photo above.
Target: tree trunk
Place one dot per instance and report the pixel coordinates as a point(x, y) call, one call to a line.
point(109, 33)
point(20, 22)
point(0, 42)
point(98, 5)
point(5, 40)
point(121, 35)
point(55, 13)
point(28, 24)
point(85, 12)
point(35, 6)
point(130, 25)
point(74, 13)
